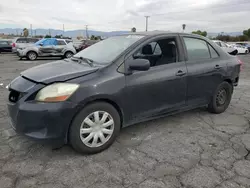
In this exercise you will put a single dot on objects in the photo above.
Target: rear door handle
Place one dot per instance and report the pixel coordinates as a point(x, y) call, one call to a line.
point(180, 73)
point(217, 67)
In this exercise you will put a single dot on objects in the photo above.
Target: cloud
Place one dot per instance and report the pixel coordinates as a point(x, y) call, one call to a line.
point(210, 15)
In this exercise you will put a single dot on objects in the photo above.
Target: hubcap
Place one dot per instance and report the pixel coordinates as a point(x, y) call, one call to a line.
point(32, 56)
point(97, 128)
point(221, 97)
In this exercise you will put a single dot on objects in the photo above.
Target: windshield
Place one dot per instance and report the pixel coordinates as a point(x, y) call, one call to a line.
point(107, 50)
point(40, 41)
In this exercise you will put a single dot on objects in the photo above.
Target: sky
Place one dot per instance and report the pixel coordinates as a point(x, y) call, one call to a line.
point(114, 15)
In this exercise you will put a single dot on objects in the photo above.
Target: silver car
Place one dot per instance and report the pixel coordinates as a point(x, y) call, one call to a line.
point(22, 42)
point(48, 47)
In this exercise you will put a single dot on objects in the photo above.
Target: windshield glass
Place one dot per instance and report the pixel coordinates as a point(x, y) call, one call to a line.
point(40, 41)
point(107, 50)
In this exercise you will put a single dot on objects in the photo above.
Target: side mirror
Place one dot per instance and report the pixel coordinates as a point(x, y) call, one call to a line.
point(41, 44)
point(139, 64)
point(235, 52)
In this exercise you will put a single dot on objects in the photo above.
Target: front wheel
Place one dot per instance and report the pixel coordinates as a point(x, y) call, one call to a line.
point(68, 54)
point(94, 128)
point(221, 98)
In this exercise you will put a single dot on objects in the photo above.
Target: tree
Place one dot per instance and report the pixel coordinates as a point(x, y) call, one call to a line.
point(184, 27)
point(98, 38)
point(92, 37)
point(47, 36)
point(25, 32)
point(243, 38)
point(79, 37)
point(199, 32)
point(247, 32)
point(133, 29)
point(58, 36)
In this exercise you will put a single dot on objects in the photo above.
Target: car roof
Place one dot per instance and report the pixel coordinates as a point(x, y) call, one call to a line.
point(155, 33)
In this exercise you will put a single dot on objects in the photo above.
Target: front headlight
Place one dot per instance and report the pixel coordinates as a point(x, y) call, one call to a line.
point(56, 92)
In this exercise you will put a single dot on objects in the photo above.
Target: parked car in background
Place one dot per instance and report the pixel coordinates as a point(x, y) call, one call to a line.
point(245, 44)
point(5, 46)
point(22, 42)
point(85, 100)
point(48, 47)
point(229, 49)
point(240, 48)
point(85, 43)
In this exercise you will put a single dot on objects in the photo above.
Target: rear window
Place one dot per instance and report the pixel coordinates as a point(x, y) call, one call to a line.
point(4, 42)
point(21, 40)
point(196, 48)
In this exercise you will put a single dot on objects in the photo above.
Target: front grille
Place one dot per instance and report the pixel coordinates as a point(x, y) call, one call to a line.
point(14, 96)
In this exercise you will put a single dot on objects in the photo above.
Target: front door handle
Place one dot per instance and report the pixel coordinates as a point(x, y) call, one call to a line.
point(217, 67)
point(180, 73)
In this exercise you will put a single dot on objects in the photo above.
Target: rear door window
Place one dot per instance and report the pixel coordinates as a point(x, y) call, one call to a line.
point(196, 48)
point(213, 53)
point(223, 45)
point(218, 43)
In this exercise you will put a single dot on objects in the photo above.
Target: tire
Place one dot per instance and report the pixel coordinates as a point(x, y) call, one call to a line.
point(68, 54)
point(76, 138)
point(32, 56)
point(218, 103)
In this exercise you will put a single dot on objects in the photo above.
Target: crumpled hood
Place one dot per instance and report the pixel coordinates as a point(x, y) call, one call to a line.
point(57, 71)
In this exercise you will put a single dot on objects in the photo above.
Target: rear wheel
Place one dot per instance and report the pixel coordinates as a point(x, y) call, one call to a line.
point(32, 56)
point(95, 128)
point(221, 98)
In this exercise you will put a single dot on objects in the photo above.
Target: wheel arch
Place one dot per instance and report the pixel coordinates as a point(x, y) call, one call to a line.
point(31, 51)
point(68, 51)
point(230, 81)
point(94, 100)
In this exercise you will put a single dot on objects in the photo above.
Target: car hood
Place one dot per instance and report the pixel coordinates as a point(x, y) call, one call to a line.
point(57, 71)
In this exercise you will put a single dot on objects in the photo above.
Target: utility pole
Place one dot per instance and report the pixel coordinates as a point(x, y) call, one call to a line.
point(63, 29)
point(86, 30)
point(147, 22)
point(31, 30)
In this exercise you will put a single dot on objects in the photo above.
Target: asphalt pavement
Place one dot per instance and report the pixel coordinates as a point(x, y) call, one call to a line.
point(194, 149)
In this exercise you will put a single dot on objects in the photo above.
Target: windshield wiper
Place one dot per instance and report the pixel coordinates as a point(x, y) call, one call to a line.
point(87, 60)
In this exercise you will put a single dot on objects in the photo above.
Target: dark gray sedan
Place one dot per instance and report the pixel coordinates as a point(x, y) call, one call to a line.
point(120, 81)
